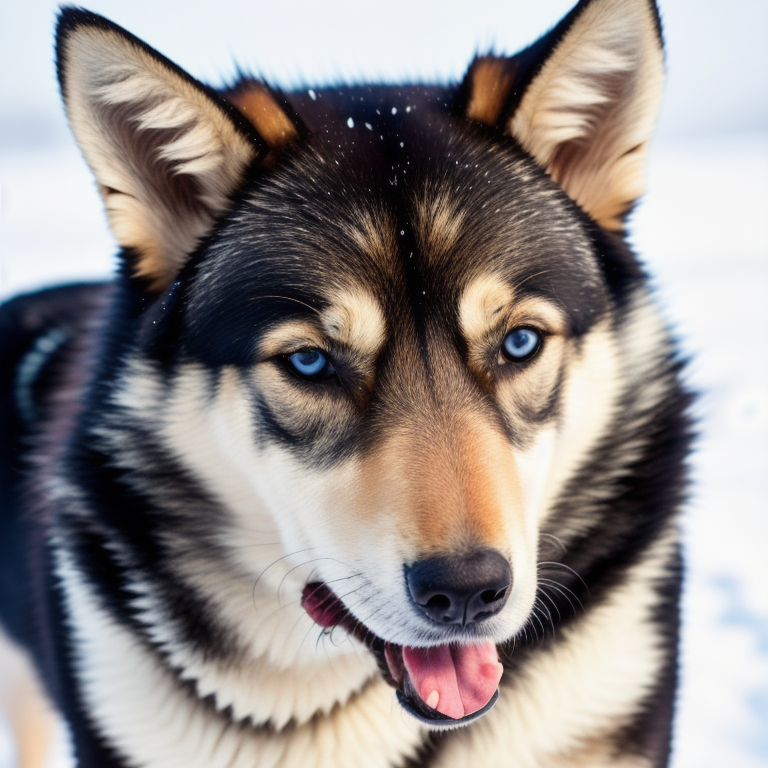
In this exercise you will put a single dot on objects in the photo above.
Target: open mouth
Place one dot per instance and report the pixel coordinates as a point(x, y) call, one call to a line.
point(442, 686)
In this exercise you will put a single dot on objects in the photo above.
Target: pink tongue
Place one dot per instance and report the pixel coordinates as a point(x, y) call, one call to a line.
point(456, 680)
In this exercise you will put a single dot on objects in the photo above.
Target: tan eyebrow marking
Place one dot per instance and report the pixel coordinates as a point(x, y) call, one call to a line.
point(373, 234)
point(480, 306)
point(353, 320)
point(290, 336)
point(489, 299)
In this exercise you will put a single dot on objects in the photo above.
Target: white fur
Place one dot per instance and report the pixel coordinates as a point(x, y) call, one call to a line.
point(290, 694)
point(288, 525)
point(644, 341)
point(592, 680)
point(594, 382)
point(289, 668)
point(155, 723)
point(590, 393)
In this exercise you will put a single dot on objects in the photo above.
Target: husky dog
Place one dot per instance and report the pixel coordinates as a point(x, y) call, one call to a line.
point(372, 454)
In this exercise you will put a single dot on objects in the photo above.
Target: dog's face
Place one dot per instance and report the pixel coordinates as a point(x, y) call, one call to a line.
point(403, 359)
point(393, 345)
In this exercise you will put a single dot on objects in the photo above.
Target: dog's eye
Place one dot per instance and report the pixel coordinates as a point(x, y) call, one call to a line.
point(521, 344)
point(311, 365)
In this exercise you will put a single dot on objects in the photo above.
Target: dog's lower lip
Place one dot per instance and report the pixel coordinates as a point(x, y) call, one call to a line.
point(327, 610)
point(435, 719)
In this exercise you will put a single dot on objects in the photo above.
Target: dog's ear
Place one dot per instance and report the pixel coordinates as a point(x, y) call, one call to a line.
point(582, 101)
point(167, 151)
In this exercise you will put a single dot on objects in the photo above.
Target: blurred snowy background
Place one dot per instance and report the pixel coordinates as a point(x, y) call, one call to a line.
point(702, 229)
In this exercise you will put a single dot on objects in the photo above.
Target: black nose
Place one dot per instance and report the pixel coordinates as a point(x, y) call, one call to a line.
point(460, 589)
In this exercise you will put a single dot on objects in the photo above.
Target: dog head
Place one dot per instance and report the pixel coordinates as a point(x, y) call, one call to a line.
point(378, 321)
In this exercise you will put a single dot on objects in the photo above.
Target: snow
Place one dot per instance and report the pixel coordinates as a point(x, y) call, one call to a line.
point(704, 230)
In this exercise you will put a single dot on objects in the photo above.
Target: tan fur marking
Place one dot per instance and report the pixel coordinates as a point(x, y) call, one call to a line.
point(438, 224)
point(373, 235)
point(489, 299)
point(530, 391)
point(486, 486)
point(33, 725)
point(355, 320)
point(25, 706)
point(482, 306)
point(538, 312)
point(457, 484)
point(289, 337)
point(258, 104)
point(491, 81)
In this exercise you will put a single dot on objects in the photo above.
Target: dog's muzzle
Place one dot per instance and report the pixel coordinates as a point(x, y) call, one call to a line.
point(443, 685)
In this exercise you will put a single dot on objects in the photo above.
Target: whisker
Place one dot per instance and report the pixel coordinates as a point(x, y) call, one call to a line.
point(543, 593)
point(287, 298)
point(535, 615)
point(561, 587)
point(279, 560)
point(535, 274)
point(285, 557)
point(301, 565)
point(556, 540)
point(282, 606)
point(565, 567)
point(328, 631)
point(563, 590)
point(541, 606)
point(323, 630)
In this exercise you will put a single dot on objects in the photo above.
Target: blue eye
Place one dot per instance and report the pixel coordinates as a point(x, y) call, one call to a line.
point(311, 364)
point(521, 344)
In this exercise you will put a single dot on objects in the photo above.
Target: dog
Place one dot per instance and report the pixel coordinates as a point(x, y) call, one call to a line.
point(373, 452)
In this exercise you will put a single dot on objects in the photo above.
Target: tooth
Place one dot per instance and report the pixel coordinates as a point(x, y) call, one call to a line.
point(433, 699)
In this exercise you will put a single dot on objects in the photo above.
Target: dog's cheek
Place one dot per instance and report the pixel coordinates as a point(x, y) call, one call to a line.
point(589, 397)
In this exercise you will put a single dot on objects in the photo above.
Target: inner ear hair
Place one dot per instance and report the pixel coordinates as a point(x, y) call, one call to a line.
point(166, 151)
point(587, 116)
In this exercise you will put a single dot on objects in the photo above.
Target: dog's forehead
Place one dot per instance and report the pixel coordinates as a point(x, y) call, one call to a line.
point(392, 199)
point(425, 191)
